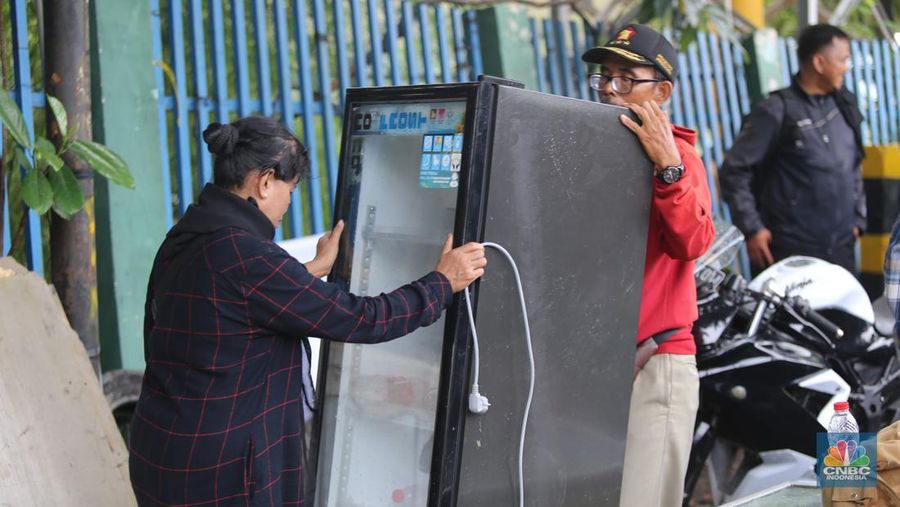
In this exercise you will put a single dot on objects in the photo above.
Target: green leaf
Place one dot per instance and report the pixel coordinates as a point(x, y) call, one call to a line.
point(688, 36)
point(45, 150)
point(67, 196)
point(59, 111)
point(647, 10)
point(11, 116)
point(37, 192)
point(21, 160)
point(104, 161)
point(40, 164)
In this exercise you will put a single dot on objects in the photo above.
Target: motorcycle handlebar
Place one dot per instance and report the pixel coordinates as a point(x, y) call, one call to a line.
point(818, 320)
point(801, 306)
point(828, 327)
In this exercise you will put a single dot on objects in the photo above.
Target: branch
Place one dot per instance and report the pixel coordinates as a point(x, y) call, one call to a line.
point(20, 233)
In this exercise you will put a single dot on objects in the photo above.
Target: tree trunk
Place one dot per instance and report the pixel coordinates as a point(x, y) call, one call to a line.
point(72, 244)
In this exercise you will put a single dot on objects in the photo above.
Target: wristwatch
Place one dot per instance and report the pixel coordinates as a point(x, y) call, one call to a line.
point(671, 174)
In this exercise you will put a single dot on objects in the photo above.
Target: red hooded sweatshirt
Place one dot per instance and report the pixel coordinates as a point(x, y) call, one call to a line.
point(681, 230)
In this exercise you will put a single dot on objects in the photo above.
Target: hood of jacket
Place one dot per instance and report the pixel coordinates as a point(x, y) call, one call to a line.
point(216, 209)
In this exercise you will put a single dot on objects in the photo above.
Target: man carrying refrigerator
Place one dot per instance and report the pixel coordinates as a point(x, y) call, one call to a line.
point(638, 71)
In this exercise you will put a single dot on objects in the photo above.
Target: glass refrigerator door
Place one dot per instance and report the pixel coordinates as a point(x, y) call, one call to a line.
point(399, 196)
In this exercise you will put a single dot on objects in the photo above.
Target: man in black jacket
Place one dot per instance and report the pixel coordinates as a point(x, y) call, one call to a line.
point(792, 178)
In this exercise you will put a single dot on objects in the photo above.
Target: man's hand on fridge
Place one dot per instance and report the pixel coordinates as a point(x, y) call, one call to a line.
point(462, 265)
point(326, 251)
point(655, 133)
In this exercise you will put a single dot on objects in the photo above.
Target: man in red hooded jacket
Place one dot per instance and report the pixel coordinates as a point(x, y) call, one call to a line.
point(638, 70)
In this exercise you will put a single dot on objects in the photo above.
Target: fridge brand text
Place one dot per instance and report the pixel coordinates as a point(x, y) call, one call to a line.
point(394, 121)
point(391, 121)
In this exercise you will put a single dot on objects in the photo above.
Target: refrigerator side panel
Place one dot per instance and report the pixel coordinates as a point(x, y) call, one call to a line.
point(569, 198)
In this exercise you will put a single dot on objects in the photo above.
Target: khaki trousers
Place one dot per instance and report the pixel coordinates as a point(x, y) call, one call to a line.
point(664, 402)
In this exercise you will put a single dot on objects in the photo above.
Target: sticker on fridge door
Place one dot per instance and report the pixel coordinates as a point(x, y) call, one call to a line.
point(455, 162)
point(435, 171)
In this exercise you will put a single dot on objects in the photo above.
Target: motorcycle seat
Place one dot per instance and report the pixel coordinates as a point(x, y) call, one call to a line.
point(884, 317)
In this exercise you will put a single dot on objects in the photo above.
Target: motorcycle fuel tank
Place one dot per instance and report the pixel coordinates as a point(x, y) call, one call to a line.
point(824, 285)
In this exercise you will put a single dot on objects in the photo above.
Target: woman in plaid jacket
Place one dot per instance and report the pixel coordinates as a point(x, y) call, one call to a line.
point(220, 417)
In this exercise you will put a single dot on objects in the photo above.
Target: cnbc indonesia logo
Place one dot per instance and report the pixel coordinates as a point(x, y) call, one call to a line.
point(844, 460)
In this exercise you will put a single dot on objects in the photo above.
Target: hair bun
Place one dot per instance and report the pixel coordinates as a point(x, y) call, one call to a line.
point(221, 139)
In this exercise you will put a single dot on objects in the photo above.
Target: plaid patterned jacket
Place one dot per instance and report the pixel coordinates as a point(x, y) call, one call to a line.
point(220, 417)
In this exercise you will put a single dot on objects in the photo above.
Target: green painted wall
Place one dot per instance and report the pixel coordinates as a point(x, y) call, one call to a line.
point(130, 223)
point(506, 43)
point(764, 64)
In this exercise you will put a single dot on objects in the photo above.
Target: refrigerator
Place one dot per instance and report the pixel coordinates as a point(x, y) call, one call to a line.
point(565, 188)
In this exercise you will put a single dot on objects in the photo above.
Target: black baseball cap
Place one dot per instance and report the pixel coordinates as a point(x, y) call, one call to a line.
point(640, 44)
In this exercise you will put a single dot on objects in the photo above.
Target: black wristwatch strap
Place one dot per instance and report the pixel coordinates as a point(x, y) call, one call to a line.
point(670, 174)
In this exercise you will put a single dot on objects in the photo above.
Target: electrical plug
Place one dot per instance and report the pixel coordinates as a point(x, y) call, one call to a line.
point(478, 404)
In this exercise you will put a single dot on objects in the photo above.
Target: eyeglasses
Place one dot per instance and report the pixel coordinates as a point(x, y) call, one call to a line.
point(620, 84)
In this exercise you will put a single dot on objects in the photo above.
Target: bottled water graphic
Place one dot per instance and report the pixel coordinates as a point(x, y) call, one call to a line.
point(847, 460)
point(842, 422)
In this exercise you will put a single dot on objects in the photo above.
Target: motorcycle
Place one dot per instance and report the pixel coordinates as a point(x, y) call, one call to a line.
point(773, 355)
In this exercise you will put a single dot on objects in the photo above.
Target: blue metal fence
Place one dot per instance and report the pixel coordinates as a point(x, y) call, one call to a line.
point(218, 60)
point(315, 54)
point(28, 100)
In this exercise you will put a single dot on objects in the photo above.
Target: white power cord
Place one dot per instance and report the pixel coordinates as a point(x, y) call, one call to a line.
point(478, 403)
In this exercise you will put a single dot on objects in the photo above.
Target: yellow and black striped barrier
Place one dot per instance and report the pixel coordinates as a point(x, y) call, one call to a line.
point(881, 173)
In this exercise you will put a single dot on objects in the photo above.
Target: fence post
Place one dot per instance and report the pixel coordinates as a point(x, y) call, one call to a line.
point(72, 248)
point(506, 46)
point(130, 223)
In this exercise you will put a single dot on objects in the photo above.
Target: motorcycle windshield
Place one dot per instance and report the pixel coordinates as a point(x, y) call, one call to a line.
point(723, 250)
